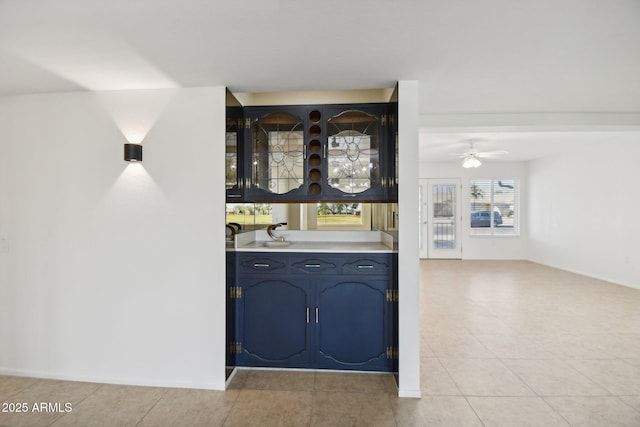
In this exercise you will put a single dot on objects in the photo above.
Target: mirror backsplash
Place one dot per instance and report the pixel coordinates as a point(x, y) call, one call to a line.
point(315, 216)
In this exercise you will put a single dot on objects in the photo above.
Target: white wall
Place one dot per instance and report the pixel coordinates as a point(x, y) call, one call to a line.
point(583, 209)
point(408, 252)
point(113, 270)
point(485, 247)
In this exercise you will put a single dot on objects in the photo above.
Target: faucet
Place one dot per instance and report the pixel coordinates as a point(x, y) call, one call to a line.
point(273, 227)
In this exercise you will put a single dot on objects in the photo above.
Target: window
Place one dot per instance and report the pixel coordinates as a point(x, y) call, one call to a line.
point(494, 207)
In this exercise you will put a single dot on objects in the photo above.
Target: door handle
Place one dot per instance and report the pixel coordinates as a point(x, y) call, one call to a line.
point(307, 314)
point(317, 314)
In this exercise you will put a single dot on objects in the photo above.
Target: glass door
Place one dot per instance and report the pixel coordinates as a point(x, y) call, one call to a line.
point(353, 153)
point(440, 218)
point(277, 147)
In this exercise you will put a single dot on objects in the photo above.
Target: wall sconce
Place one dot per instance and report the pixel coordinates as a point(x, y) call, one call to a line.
point(132, 152)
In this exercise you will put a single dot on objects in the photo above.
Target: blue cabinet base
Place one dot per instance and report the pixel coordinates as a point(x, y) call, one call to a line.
point(339, 317)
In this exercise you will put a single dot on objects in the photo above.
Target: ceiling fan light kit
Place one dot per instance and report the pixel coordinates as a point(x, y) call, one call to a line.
point(471, 159)
point(471, 162)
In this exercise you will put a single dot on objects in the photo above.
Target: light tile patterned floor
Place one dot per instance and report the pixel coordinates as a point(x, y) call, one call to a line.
point(503, 344)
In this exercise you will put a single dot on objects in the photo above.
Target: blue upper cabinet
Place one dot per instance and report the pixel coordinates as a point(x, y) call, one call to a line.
point(275, 145)
point(234, 160)
point(355, 153)
point(391, 152)
point(314, 153)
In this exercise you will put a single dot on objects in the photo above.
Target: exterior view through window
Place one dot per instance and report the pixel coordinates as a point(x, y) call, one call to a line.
point(249, 213)
point(494, 208)
point(339, 213)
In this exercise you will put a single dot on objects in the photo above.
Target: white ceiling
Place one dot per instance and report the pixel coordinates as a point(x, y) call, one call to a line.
point(521, 146)
point(469, 56)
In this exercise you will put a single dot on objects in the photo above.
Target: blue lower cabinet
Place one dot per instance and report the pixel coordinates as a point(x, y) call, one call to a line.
point(352, 321)
point(315, 311)
point(230, 334)
point(272, 324)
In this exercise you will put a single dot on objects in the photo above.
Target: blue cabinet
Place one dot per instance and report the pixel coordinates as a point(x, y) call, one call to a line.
point(273, 324)
point(353, 323)
point(342, 152)
point(234, 155)
point(315, 311)
point(230, 333)
point(356, 152)
point(276, 144)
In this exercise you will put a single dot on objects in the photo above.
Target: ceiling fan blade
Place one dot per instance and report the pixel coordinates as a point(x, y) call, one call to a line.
point(489, 154)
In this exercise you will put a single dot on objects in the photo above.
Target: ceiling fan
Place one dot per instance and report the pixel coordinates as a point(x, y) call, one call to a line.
point(471, 158)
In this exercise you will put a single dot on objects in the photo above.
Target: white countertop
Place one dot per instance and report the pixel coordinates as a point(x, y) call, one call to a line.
point(315, 241)
point(335, 247)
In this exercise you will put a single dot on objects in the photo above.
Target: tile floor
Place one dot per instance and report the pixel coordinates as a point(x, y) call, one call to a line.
point(503, 344)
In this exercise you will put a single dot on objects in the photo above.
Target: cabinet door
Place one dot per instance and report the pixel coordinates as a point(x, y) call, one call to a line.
point(230, 309)
point(273, 326)
point(393, 315)
point(391, 153)
point(356, 152)
point(234, 162)
point(352, 325)
point(275, 145)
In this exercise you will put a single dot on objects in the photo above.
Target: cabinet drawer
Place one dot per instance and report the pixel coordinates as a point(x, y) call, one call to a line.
point(314, 264)
point(257, 263)
point(368, 264)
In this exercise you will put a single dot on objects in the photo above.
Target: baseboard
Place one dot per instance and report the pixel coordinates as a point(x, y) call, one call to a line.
point(582, 273)
point(108, 380)
point(413, 394)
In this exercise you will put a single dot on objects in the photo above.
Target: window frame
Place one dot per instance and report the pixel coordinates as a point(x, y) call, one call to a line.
point(494, 231)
